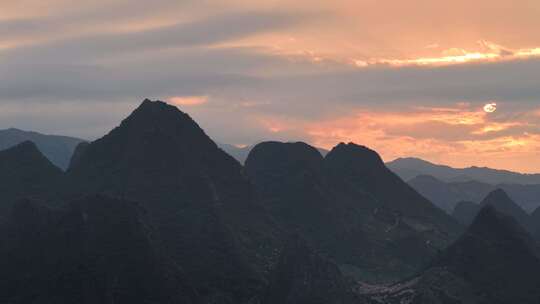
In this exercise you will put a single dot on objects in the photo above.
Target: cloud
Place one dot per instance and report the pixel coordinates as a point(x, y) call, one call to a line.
point(94, 47)
point(315, 71)
point(188, 100)
point(422, 133)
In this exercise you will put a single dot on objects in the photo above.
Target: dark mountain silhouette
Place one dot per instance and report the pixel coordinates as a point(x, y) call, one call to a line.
point(497, 257)
point(504, 204)
point(408, 168)
point(345, 215)
point(363, 168)
point(304, 277)
point(495, 261)
point(465, 212)
point(402, 221)
point(196, 195)
point(58, 149)
point(241, 153)
point(25, 172)
point(77, 154)
point(97, 250)
point(291, 182)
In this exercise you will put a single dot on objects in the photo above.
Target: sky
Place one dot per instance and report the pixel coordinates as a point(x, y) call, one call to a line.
point(406, 78)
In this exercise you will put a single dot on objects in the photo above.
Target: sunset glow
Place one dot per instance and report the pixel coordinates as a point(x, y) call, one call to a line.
point(454, 136)
point(451, 81)
point(188, 100)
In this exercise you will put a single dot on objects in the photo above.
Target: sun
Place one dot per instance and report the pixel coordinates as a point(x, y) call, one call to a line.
point(490, 107)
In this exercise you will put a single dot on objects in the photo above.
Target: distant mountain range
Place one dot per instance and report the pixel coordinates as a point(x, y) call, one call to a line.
point(409, 168)
point(447, 194)
point(58, 149)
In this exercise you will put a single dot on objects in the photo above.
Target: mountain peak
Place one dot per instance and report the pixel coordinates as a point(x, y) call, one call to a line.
point(25, 172)
point(154, 104)
point(157, 111)
point(497, 195)
point(152, 135)
point(489, 219)
point(493, 229)
point(355, 148)
point(287, 156)
point(26, 145)
point(357, 151)
point(26, 152)
point(504, 204)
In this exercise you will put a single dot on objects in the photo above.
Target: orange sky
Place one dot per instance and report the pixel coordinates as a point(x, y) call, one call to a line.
point(408, 78)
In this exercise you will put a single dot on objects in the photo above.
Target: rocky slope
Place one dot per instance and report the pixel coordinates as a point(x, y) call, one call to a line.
point(97, 250)
point(304, 277)
point(495, 261)
point(25, 172)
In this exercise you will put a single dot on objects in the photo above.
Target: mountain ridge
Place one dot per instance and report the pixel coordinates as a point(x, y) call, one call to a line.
point(411, 167)
point(57, 148)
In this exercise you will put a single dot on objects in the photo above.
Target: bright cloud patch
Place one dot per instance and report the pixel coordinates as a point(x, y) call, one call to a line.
point(458, 136)
point(188, 100)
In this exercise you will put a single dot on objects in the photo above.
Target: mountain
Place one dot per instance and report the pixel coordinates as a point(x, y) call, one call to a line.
point(504, 204)
point(408, 168)
point(241, 153)
point(304, 277)
point(292, 184)
point(340, 205)
point(58, 149)
point(97, 250)
point(25, 172)
point(495, 261)
point(196, 195)
point(465, 212)
point(360, 167)
point(406, 223)
point(446, 194)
